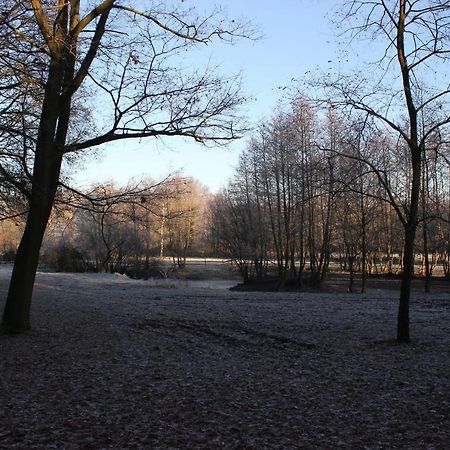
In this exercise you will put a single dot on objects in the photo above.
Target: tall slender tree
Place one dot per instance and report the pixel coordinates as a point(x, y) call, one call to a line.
point(413, 37)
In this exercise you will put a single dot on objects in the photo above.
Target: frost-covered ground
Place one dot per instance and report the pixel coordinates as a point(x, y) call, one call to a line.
point(114, 364)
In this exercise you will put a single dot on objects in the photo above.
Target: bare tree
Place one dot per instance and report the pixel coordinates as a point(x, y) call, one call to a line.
point(125, 59)
point(412, 84)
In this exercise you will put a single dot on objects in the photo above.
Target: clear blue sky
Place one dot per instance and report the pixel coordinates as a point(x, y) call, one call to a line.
point(298, 37)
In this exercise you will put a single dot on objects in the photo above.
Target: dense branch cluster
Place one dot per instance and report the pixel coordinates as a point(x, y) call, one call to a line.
point(126, 229)
point(125, 69)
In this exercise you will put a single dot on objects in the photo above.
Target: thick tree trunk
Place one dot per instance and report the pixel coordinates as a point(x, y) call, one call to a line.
point(16, 315)
point(52, 133)
point(416, 165)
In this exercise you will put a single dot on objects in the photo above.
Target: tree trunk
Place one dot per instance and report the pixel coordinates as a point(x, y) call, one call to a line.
point(425, 227)
point(352, 277)
point(16, 315)
point(426, 258)
point(363, 245)
point(53, 126)
point(408, 251)
point(405, 288)
point(416, 166)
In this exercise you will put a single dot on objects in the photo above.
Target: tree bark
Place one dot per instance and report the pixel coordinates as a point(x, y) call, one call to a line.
point(408, 251)
point(53, 126)
point(426, 258)
point(416, 163)
point(405, 287)
point(16, 315)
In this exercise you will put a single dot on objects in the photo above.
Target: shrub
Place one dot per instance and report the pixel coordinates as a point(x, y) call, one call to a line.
point(65, 258)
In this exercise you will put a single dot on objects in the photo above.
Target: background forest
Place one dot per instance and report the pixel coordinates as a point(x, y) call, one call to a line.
point(313, 192)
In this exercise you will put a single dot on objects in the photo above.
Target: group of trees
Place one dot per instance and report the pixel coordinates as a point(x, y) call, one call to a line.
point(403, 99)
point(77, 74)
point(315, 188)
point(112, 228)
point(128, 228)
point(407, 97)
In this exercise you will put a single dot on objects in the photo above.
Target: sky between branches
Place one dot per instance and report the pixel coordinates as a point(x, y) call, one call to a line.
point(298, 37)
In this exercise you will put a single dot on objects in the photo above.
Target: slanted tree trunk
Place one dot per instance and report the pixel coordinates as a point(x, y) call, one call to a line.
point(16, 315)
point(52, 134)
point(47, 165)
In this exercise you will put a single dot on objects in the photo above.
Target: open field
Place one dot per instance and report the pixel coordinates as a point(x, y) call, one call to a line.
point(114, 364)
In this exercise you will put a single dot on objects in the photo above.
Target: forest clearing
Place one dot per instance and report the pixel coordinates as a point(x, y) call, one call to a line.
point(116, 363)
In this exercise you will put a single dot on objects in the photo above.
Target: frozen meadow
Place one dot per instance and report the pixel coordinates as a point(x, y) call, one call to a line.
point(113, 363)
